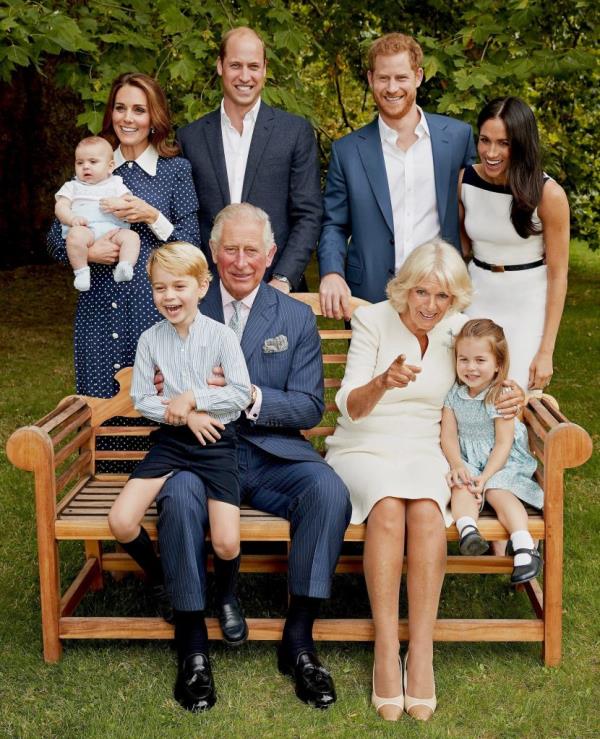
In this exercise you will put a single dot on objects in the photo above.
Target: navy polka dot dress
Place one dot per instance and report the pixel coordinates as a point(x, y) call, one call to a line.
point(111, 316)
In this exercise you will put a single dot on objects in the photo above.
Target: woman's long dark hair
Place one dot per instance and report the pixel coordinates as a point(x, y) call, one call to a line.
point(160, 118)
point(525, 174)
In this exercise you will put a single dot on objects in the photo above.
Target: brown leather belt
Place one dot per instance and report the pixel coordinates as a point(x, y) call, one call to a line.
point(508, 267)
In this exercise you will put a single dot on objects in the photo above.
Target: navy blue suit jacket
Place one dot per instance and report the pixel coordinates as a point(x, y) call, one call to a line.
point(282, 178)
point(357, 237)
point(291, 381)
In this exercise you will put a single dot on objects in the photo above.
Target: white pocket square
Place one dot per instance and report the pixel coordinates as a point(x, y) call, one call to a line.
point(276, 344)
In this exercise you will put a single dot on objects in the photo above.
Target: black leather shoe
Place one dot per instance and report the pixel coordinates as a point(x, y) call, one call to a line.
point(195, 688)
point(314, 685)
point(472, 543)
point(525, 573)
point(163, 603)
point(233, 624)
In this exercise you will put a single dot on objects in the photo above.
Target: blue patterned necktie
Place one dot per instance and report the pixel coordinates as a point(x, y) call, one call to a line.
point(235, 324)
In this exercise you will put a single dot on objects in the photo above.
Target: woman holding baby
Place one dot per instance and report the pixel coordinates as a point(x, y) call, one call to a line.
point(163, 207)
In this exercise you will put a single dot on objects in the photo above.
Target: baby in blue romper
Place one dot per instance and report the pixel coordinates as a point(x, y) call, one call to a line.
point(488, 455)
point(79, 210)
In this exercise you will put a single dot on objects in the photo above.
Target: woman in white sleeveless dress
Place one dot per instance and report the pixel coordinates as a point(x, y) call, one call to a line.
point(515, 222)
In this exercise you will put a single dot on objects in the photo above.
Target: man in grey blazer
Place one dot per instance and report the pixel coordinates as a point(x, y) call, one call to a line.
point(247, 151)
point(391, 185)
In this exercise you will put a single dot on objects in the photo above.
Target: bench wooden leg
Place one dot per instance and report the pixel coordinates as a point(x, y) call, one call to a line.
point(93, 550)
point(553, 566)
point(50, 599)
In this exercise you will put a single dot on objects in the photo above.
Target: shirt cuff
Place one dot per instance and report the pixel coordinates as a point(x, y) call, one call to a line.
point(202, 400)
point(253, 412)
point(162, 228)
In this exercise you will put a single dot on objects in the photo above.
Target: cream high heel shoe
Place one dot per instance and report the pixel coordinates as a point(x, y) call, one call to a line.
point(411, 703)
point(398, 701)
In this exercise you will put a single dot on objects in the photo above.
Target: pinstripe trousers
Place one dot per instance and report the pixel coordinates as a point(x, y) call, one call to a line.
point(308, 494)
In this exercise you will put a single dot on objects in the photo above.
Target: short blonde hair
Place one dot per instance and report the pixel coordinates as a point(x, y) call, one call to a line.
point(243, 212)
point(436, 259)
point(97, 141)
point(395, 43)
point(180, 258)
point(485, 328)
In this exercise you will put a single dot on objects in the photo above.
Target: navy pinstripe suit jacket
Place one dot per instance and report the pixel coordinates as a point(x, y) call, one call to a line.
point(291, 381)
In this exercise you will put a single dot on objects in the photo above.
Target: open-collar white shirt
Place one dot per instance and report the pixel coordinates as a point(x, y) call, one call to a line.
point(162, 228)
point(411, 182)
point(236, 147)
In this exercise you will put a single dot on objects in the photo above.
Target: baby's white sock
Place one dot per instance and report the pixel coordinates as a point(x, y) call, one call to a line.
point(82, 279)
point(123, 272)
point(464, 521)
point(521, 540)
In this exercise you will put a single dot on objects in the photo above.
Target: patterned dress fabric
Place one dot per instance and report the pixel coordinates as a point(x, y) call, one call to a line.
point(476, 433)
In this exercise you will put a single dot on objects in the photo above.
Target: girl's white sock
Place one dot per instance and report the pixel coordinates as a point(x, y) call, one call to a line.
point(521, 540)
point(464, 521)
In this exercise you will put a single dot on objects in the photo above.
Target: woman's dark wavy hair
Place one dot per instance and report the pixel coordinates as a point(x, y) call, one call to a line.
point(525, 174)
point(158, 108)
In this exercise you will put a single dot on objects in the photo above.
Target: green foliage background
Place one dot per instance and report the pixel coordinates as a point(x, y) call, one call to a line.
point(475, 50)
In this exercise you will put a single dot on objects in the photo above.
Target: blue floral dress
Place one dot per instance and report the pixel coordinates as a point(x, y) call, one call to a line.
point(111, 316)
point(476, 435)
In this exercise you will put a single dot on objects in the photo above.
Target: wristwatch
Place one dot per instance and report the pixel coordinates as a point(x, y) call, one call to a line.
point(283, 278)
point(252, 397)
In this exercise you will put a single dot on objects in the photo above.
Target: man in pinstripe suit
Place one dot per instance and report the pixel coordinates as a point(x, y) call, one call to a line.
point(280, 472)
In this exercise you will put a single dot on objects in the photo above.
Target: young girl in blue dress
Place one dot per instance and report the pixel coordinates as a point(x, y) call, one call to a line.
point(488, 455)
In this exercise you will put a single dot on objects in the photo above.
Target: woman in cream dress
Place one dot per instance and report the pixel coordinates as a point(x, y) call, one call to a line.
point(386, 448)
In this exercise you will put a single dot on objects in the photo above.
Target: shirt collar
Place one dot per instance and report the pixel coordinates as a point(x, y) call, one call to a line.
point(194, 326)
point(390, 136)
point(147, 160)
point(463, 392)
point(248, 301)
point(249, 117)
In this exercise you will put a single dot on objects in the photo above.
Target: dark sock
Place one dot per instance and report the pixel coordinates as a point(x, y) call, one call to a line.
point(191, 636)
point(142, 551)
point(226, 572)
point(297, 632)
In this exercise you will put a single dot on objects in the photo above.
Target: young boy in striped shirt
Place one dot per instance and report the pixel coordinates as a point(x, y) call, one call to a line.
point(197, 430)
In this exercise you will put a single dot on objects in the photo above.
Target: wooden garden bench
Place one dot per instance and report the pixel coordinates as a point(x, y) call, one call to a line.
point(73, 499)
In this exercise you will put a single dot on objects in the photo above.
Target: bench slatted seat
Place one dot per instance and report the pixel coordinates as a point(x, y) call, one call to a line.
point(73, 498)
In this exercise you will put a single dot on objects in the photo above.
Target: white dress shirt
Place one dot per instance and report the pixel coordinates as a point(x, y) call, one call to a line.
point(162, 228)
point(228, 310)
point(186, 364)
point(411, 183)
point(236, 147)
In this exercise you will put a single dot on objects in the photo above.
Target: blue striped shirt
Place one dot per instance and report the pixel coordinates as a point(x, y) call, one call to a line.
point(186, 364)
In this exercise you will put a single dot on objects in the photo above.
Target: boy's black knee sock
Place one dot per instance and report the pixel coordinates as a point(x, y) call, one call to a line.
point(141, 550)
point(226, 572)
point(297, 632)
point(191, 636)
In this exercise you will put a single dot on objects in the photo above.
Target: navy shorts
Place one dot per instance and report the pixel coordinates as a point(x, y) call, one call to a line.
point(176, 448)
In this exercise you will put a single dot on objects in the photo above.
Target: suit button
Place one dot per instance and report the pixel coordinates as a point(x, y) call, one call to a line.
point(391, 272)
point(392, 242)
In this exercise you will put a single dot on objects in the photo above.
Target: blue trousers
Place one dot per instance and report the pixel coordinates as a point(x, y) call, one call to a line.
point(308, 494)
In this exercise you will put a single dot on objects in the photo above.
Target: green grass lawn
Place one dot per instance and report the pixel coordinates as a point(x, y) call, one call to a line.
point(124, 689)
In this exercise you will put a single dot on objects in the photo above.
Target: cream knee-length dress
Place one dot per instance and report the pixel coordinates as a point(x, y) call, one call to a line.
point(394, 451)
